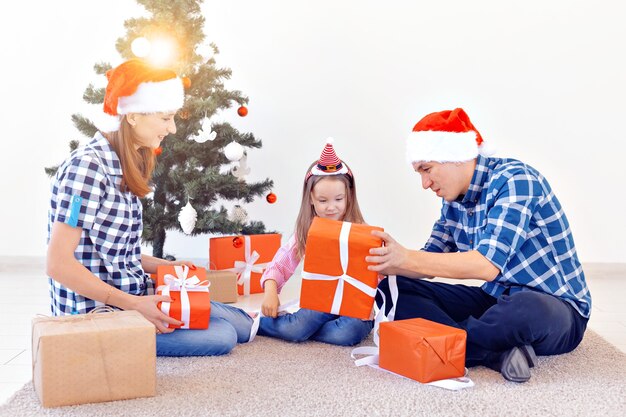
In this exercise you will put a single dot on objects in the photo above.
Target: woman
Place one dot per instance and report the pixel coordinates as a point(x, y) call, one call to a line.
point(95, 216)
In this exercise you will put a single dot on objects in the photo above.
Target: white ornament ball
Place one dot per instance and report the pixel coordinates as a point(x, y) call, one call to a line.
point(140, 47)
point(187, 218)
point(238, 214)
point(233, 151)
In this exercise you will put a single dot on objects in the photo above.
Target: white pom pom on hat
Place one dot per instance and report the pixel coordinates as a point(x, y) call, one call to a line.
point(446, 136)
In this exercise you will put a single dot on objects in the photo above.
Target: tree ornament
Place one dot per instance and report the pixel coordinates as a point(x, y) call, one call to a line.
point(271, 198)
point(242, 111)
point(233, 151)
point(242, 170)
point(205, 132)
point(238, 242)
point(183, 114)
point(158, 151)
point(186, 82)
point(187, 218)
point(238, 214)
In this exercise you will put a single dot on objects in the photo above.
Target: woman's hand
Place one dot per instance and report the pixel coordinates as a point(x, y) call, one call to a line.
point(147, 306)
point(269, 308)
point(181, 263)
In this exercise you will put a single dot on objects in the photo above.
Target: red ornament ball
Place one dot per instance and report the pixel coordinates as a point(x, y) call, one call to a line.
point(158, 151)
point(238, 242)
point(271, 198)
point(242, 111)
point(186, 82)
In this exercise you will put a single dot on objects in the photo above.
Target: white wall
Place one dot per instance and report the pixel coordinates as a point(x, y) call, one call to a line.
point(544, 81)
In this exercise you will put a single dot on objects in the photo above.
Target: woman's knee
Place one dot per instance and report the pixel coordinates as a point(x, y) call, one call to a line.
point(219, 339)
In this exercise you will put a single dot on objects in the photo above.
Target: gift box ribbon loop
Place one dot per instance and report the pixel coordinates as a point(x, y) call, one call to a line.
point(244, 269)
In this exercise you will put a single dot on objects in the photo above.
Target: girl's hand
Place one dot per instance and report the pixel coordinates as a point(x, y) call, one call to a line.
point(269, 308)
point(147, 306)
point(270, 305)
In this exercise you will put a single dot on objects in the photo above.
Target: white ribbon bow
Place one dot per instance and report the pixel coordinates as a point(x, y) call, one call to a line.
point(341, 279)
point(245, 268)
point(180, 282)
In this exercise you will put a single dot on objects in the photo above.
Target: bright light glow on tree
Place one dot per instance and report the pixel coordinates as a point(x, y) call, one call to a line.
point(140, 47)
point(163, 52)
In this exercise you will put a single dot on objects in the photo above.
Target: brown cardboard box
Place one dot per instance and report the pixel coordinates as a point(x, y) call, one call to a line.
point(223, 286)
point(89, 358)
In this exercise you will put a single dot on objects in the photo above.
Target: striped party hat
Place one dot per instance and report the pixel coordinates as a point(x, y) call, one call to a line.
point(329, 163)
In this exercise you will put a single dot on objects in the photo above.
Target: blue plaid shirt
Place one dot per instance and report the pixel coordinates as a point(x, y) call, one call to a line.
point(511, 216)
point(86, 194)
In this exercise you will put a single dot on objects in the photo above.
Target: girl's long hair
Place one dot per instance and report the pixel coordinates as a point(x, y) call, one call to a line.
point(137, 164)
point(307, 211)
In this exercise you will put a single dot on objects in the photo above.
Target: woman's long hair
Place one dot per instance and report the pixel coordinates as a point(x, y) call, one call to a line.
point(307, 211)
point(137, 164)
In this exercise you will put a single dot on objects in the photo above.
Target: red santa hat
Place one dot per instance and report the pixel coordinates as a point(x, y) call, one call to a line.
point(136, 87)
point(445, 136)
point(329, 163)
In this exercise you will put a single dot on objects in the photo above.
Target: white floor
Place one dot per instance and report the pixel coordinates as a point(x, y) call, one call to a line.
point(24, 294)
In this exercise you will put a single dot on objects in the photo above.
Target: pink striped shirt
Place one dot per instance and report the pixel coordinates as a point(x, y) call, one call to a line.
point(283, 265)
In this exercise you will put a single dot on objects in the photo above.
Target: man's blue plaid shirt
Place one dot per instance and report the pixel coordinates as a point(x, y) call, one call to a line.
point(512, 217)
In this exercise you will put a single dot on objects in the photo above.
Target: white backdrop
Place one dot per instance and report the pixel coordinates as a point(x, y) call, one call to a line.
point(544, 81)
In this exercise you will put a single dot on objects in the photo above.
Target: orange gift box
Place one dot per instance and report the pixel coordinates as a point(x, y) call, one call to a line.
point(245, 255)
point(189, 290)
point(335, 278)
point(422, 349)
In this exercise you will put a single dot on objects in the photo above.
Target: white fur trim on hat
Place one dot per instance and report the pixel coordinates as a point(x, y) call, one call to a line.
point(105, 122)
point(316, 171)
point(438, 146)
point(153, 97)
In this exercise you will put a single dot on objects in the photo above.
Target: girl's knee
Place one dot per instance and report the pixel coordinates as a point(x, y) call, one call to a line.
point(293, 331)
point(346, 332)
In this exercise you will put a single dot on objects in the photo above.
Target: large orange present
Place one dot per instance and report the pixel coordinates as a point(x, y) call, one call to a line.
point(247, 256)
point(335, 278)
point(422, 349)
point(189, 291)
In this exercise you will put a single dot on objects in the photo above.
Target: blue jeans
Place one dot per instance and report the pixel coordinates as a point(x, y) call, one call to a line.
point(227, 327)
point(307, 324)
point(494, 325)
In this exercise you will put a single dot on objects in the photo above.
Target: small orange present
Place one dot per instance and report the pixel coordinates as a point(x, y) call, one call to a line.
point(422, 349)
point(335, 278)
point(191, 298)
point(247, 256)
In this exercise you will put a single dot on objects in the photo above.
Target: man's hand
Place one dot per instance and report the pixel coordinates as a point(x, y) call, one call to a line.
point(390, 259)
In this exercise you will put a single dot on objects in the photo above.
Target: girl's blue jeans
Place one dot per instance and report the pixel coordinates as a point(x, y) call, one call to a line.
point(307, 324)
point(227, 327)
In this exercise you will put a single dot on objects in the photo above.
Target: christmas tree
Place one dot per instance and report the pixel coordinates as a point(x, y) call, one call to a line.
point(190, 177)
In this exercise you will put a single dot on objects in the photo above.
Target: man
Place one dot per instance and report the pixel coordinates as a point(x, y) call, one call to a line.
point(500, 222)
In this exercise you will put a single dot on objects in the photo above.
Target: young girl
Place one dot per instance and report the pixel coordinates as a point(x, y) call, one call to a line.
point(95, 216)
point(329, 191)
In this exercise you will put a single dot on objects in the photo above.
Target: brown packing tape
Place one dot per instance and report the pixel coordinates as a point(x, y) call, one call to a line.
point(93, 358)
